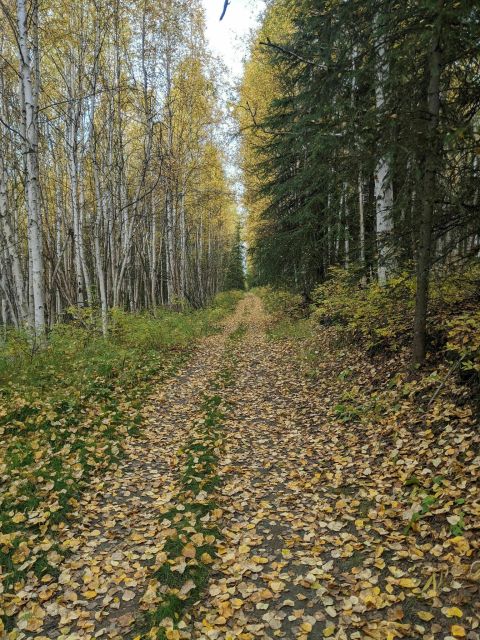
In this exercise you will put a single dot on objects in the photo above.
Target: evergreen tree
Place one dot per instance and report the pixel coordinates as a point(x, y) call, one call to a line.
point(368, 150)
point(235, 273)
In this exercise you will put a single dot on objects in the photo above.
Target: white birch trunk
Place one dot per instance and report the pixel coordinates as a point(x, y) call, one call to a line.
point(32, 175)
point(12, 250)
point(383, 182)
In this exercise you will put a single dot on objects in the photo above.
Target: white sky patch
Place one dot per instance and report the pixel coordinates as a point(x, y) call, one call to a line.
point(229, 39)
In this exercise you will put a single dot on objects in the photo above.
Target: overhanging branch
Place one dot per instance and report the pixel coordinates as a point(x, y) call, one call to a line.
point(225, 7)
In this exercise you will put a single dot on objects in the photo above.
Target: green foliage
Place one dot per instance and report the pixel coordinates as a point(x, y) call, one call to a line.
point(76, 352)
point(235, 274)
point(383, 316)
point(464, 340)
point(377, 314)
point(314, 150)
point(287, 314)
point(281, 303)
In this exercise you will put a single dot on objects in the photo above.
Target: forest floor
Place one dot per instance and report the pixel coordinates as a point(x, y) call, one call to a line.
point(297, 525)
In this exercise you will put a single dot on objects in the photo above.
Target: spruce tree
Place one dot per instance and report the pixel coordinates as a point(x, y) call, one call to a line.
point(235, 274)
point(369, 150)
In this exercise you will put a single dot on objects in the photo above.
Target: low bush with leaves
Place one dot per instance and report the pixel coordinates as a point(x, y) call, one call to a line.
point(464, 341)
point(383, 316)
point(288, 313)
point(280, 303)
point(376, 314)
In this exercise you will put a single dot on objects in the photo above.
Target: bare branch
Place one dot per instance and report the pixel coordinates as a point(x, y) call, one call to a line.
point(290, 53)
point(225, 7)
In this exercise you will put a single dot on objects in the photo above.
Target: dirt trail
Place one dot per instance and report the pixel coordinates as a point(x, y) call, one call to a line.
point(314, 539)
point(271, 540)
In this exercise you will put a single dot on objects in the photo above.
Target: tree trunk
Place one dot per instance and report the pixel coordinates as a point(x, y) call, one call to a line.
point(13, 255)
point(30, 114)
point(383, 182)
point(429, 183)
point(361, 221)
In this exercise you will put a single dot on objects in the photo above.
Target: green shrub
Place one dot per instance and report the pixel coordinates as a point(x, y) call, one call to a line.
point(377, 314)
point(464, 340)
point(282, 304)
point(383, 316)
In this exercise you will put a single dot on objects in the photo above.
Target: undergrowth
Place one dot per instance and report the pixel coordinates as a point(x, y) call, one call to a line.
point(287, 312)
point(382, 317)
point(64, 412)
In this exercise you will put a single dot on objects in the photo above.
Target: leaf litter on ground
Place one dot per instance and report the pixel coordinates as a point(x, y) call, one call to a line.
point(344, 511)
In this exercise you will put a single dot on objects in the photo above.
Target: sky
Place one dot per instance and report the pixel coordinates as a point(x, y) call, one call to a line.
point(228, 38)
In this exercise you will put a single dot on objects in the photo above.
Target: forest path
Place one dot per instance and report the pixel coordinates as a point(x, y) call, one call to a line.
point(278, 523)
point(314, 539)
point(313, 542)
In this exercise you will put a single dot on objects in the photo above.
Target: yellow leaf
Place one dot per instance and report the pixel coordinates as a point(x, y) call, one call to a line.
point(137, 537)
point(453, 612)
point(329, 631)
point(425, 615)
point(150, 595)
point(276, 585)
point(408, 583)
point(206, 558)
point(18, 517)
point(215, 590)
point(306, 626)
point(260, 560)
point(188, 551)
point(90, 594)
point(457, 631)
point(197, 539)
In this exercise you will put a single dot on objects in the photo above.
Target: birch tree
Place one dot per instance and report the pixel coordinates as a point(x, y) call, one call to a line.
point(106, 135)
point(28, 59)
point(383, 174)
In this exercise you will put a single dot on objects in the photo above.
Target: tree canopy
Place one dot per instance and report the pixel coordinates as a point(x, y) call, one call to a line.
point(361, 148)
